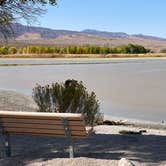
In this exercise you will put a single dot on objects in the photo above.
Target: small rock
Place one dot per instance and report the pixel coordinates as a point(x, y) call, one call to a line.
point(108, 122)
point(129, 132)
point(125, 162)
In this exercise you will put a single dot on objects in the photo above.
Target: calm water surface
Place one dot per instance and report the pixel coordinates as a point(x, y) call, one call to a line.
point(126, 88)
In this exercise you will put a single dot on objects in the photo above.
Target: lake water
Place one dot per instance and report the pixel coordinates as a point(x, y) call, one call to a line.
point(128, 88)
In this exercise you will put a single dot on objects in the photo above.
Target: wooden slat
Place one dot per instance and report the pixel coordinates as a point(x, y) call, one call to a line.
point(42, 126)
point(37, 121)
point(41, 131)
point(37, 134)
point(50, 135)
point(40, 115)
point(28, 130)
point(32, 121)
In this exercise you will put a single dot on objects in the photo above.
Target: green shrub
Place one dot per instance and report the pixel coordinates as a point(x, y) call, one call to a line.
point(12, 50)
point(69, 97)
point(4, 50)
point(163, 51)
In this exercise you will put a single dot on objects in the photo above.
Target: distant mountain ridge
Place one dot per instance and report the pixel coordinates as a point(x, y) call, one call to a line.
point(44, 32)
point(51, 33)
point(105, 33)
point(38, 35)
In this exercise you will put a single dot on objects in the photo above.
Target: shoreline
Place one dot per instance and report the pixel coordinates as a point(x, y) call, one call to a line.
point(137, 122)
point(83, 56)
point(4, 62)
point(23, 102)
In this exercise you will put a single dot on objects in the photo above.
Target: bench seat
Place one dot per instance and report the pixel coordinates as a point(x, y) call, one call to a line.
point(67, 125)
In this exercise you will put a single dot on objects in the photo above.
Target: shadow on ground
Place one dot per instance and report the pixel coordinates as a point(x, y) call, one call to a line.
point(142, 148)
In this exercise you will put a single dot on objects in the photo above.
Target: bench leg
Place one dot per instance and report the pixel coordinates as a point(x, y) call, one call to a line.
point(7, 145)
point(71, 149)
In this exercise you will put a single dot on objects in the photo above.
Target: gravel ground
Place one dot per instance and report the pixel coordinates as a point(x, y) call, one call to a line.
point(13, 101)
point(103, 148)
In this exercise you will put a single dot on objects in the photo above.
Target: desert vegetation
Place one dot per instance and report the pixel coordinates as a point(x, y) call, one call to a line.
point(68, 97)
point(87, 49)
point(163, 51)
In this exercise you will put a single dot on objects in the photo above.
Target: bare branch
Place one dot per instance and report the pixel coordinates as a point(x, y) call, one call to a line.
point(12, 11)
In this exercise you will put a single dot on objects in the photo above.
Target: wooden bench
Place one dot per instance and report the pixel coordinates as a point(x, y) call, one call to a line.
point(42, 124)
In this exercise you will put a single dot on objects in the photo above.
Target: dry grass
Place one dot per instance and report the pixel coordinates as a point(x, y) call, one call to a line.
point(83, 55)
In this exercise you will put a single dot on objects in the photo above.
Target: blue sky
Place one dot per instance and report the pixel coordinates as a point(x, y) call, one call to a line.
point(130, 16)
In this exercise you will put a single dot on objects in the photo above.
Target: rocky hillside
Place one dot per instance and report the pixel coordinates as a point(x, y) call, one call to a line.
point(38, 35)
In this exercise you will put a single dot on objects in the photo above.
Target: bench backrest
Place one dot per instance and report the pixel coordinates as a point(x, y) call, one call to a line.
point(44, 124)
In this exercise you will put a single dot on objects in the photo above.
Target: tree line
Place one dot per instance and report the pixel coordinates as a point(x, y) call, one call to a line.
point(87, 49)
